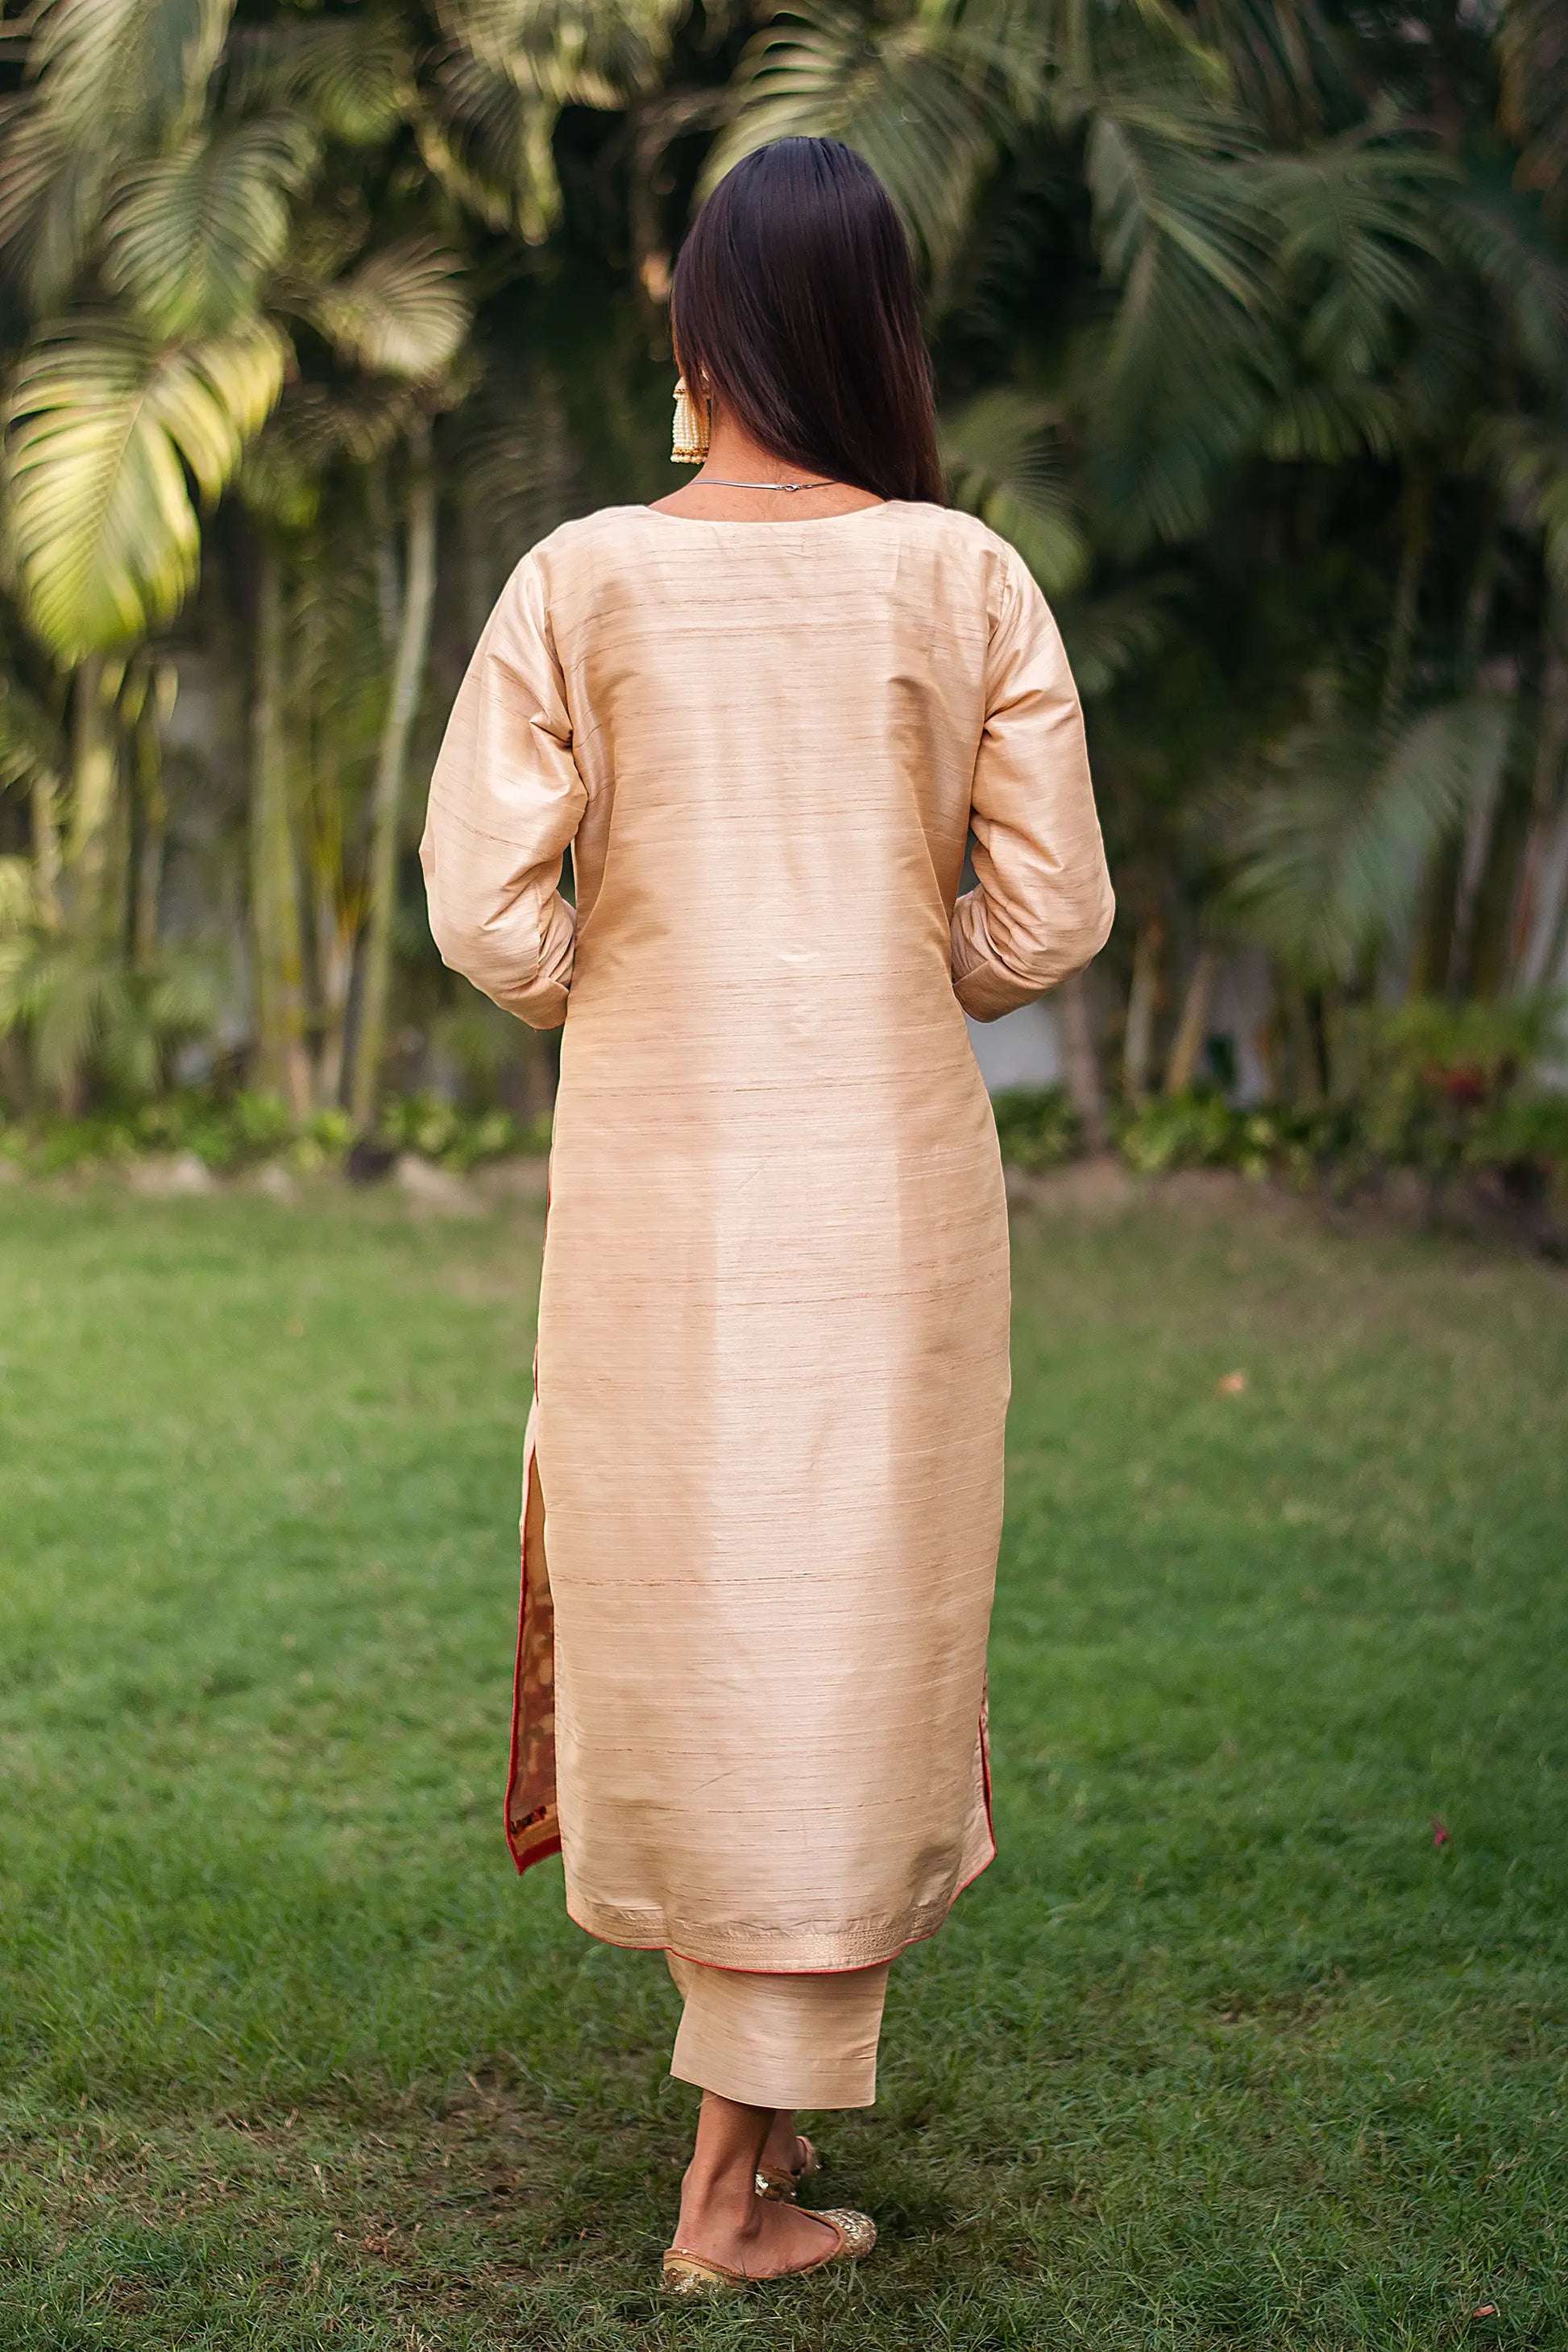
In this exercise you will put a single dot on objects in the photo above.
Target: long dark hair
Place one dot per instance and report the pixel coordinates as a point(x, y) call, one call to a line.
point(794, 303)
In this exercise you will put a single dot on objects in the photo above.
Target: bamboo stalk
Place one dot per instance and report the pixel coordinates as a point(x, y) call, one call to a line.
point(95, 782)
point(1415, 509)
point(45, 818)
point(283, 1058)
point(1080, 1062)
point(386, 803)
point(153, 812)
point(1187, 1045)
point(1541, 905)
point(1138, 1046)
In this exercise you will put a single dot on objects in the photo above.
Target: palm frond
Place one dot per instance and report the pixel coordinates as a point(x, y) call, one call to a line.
point(353, 74)
point(30, 743)
point(1528, 458)
point(85, 1011)
point(1328, 424)
point(510, 68)
point(1450, 366)
point(121, 71)
point(189, 237)
point(51, 195)
point(1328, 849)
point(1004, 460)
point(923, 98)
point(1359, 243)
point(1497, 237)
point(1532, 41)
point(492, 146)
point(575, 52)
point(1172, 171)
point(101, 430)
point(1288, 67)
point(1192, 362)
point(18, 912)
point(402, 312)
point(1107, 635)
point(515, 459)
point(314, 429)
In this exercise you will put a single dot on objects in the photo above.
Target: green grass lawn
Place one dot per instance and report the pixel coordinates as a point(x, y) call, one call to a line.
point(1225, 2051)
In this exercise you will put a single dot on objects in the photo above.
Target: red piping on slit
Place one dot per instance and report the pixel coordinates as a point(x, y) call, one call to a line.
point(525, 1859)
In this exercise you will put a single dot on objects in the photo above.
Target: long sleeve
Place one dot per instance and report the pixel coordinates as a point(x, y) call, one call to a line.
point(506, 801)
point(1042, 906)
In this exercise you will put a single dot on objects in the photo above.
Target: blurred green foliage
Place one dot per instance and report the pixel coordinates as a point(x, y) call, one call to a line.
point(251, 1131)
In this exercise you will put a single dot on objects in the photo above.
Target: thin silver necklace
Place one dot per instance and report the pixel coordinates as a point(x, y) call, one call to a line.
point(716, 482)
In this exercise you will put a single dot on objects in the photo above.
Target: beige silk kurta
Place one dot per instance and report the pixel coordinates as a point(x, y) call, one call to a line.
point(764, 1484)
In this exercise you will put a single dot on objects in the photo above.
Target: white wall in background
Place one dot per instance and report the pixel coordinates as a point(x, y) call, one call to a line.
point(1242, 1008)
point(1019, 1050)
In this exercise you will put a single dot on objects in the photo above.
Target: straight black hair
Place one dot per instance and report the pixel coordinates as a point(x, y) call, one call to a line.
point(794, 304)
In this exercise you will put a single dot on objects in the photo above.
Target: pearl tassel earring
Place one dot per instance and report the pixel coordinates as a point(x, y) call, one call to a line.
point(689, 445)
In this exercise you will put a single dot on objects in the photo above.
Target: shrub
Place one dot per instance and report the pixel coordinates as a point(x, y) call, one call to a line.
point(1037, 1127)
point(459, 1139)
point(243, 1130)
point(1191, 1130)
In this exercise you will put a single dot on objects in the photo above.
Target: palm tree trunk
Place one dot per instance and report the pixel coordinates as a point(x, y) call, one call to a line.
point(153, 810)
point(391, 759)
point(1473, 854)
point(1540, 906)
point(1187, 1045)
point(331, 916)
point(1080, 1062)
point(1481, 828)
point(45, 815)
point(1479, 601)
point(1416, 517)
point(94, 784)
point(388, 595)
point(474, 566)
point(1548, 930)
point(283, 1058)
point(1138, 1047)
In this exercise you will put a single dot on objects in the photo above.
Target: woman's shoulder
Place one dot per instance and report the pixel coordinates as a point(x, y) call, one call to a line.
point(566, 564)
point(585, 535)
point(964, 538)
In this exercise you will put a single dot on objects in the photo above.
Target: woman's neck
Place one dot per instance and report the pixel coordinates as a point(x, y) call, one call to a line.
point(734, 457)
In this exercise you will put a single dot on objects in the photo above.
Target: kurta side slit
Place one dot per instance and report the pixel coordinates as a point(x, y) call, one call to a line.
point(772, 1363)
point(532, 1817)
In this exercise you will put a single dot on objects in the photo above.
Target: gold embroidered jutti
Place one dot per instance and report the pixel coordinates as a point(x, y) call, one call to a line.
point(765, 1457)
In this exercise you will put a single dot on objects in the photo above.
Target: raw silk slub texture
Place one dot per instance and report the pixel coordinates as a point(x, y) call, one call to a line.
point(764, 1486)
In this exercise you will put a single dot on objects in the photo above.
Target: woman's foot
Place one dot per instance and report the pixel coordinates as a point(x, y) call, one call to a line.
point(766, 2238)
point(723, 2217)
point(784, 2151)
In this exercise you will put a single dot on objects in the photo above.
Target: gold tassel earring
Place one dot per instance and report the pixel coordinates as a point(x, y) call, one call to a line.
point(689, 444)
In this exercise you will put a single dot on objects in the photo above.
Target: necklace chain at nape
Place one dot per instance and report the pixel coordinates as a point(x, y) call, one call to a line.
point(715, 482)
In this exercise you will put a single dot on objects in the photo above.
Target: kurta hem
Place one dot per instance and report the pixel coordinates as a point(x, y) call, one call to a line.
point(828, 1952)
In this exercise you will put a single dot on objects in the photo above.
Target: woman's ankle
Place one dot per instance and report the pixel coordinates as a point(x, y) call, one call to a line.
point(782, 2149)
point(722, 2197)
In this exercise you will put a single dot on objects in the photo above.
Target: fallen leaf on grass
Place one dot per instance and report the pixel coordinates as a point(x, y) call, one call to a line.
point(1233, 1384)
point(1484, 2311)
point(1439, 1829)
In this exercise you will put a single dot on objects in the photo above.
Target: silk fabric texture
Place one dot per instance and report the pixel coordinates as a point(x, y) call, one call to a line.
point(780, 2041)
point(765, 1464)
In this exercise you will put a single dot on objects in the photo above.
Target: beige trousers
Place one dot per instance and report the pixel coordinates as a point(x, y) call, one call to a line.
point(780, 2040)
